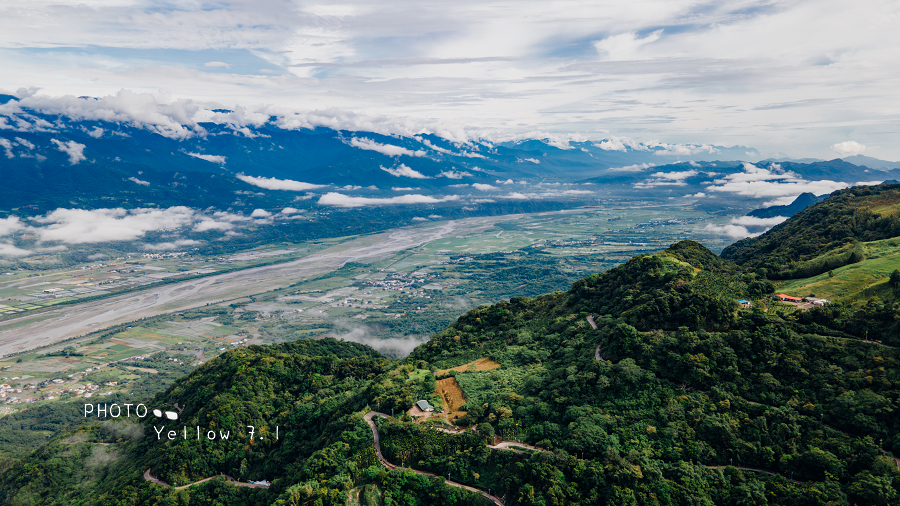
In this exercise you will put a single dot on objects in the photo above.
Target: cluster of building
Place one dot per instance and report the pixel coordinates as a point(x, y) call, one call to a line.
point(7, 393)
point(815, 301)
point(174, 254)
point(800, 301)
point(394, 282)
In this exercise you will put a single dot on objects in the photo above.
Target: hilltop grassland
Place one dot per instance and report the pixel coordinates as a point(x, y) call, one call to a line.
point(838, 224)
point(855, 283)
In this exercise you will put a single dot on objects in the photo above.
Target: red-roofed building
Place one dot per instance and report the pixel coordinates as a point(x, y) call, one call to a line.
point(787, 298)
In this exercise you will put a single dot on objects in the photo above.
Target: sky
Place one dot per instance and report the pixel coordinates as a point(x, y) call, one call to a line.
point(804, 78)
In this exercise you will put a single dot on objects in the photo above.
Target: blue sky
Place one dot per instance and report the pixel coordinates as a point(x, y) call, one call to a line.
point(806, 78)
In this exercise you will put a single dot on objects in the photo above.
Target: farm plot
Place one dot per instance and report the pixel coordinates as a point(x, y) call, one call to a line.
point(449, 392)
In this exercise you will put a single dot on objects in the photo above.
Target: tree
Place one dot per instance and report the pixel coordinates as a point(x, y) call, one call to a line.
point(895, 280)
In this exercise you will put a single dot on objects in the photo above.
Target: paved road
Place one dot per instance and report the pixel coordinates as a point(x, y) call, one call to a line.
point(45, 328)
point(372, 414)
point(509, 445)
point(149, 477)
point(590, 319)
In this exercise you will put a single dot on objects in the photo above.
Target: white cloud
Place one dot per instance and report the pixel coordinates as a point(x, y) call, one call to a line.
point(10, 250)
point(508, 181)
point(8, 147)
point(734, 72)
point(337, 199)
point(404, 188)
point(260, 213)
point(270, 183)
point(206, 225)
point(404, 171)
point(138, 181)
point(174, 119)
point(638, 167)
point(22, 142)
point(217, 64)
point(291, 210)
point(385, 149)
point(681, 149)
point(209, 158)
point(435, 216)
point(96, 132)
point(620, 144)
point(71, 148)
point(760, 182)
point(181, 243)
point(667, 179)
point(848, 148)
point(419, 218)
point(693, 163)
point(516, 195)
point(869, 183)
point(447, 151)
point(77, 226)
point(745, 226)
point(732, 231)
point(754, 221)
point(483, 187)
point(452, 174)
point(625, 46)
point(532, 160)
point(10, 225)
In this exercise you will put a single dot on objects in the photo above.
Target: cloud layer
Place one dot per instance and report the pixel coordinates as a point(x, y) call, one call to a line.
point(77, 226)
point(271, 183)
point(340, 200)
point(385, 149)
point(404, 171)
point(773, 183)
point(742, 72)
point(745, 226)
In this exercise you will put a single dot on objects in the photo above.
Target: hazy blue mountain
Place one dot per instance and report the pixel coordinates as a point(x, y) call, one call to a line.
point(52, 160)
point(872, 163)
point(800, 203)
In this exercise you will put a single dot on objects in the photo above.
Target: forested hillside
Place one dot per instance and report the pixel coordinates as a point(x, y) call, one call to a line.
point(678, 396)
point(847, 217)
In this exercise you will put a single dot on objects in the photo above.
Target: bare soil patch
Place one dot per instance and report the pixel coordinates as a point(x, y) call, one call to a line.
point(482, 364)
point(452, 396)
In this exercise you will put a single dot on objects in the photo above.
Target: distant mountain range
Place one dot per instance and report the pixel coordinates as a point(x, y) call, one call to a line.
point(872, 163)
point(800, 203)
point(91, 153)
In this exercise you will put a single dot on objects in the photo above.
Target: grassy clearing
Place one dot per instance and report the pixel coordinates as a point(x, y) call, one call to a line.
point(855, 283)
point(418, 375)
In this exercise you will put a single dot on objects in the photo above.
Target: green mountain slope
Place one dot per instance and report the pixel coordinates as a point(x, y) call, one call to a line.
point(694, 401)
point(856, 283)
point(847, 217)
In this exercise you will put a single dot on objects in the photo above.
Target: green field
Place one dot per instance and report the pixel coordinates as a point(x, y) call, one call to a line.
point(855, 283)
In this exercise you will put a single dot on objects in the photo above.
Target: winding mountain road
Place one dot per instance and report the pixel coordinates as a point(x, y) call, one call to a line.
point(371, 414)
point(152, 479)
point(590, 320)
point(512, 445)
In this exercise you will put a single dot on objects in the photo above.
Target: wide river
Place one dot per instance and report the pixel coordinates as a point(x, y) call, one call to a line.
point(38, 330)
